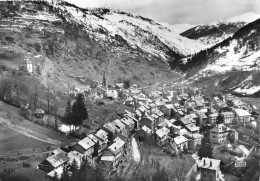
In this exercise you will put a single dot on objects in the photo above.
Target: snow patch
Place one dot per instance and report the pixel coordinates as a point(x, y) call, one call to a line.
point(135, 150)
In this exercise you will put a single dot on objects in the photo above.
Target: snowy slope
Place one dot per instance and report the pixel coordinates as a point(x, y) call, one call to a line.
point(220, 30)
point(178, 28)
point(138, 32)
point(246, 18)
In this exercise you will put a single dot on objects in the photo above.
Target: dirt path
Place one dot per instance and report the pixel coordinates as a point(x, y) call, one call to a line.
point(32, 134)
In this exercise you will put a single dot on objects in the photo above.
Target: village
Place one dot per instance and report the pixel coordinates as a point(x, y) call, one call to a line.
point(173, 120)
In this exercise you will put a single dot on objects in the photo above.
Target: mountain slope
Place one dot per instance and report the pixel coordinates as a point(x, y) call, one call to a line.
point(65, 40)
point(236, 60)
point(178, 28)
point(220, 30)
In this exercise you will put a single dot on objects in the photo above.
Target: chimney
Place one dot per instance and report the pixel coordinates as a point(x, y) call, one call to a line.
point(204, 162)
point(210, 163)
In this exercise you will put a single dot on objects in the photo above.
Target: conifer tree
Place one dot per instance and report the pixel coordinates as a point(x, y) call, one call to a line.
point(79, 111)
point(205, 149)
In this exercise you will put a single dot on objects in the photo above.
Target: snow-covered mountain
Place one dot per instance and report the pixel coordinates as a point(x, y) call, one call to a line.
point(220, 30)
point(236, 60)
point(139, 32)
point(178, 28)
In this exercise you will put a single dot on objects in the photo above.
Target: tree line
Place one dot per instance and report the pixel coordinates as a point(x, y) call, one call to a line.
point(75, 112)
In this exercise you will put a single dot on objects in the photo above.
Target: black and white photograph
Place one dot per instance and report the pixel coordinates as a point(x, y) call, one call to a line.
point(129, 90)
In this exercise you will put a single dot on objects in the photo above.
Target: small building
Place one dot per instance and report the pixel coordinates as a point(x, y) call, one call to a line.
point(228, 117)
point(203, 119)
point(102, 135)
point(117, 148)
point(100, 144)
point(213, 118)
point(113, 94)
point(242, 116)
point(192, 128)
point(162, 135)
point(29, 66)
point(85, 146)
point(194, 140)
point(39, 113)
point(149, 122)
point(181, 142)
point(219, 134)
point(54, 161)
point(242, 151)
point(210, 170)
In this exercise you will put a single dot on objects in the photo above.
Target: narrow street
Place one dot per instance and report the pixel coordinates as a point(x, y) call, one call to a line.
point(135, 160)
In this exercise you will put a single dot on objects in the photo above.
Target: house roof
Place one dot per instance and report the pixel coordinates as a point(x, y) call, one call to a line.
point(213, 115)
point(162, 132)
point(242, 112)
point(186, 120)
point(39, 111)
point(180, 139)
point(86, 143)
point(95, 139)
point(209, 163)
point(127, 121)
point(220, 128)
point(228, 114)
point(110, 127)
point(118, 123)
point(118, 143)
point(244, 149)
point(107, 155)
point(102, 134)
point(192, 127)
point(146, 129)
point(169, 106)
point(58, 159)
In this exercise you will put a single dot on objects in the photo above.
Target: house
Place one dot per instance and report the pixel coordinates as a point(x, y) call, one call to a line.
point(228, 117)
point(129, 102)
point(181, 142)
point(242, 116)
point(54, 161)
point(179, 130)
point(203, 118)
point(128, 122)
point(185, 121)
point(39, 113)
point(76, 157)
point(238, 104)
point(213, 118)
point(29, 66)
point(121, 126)
point(110, 127)
point(194, 140)
point(242, 151)
point(162, 135)
point(148, 122)
point(144, 132)
point(99, 144)
point(85, 146)
point(219, 134)
point(99, 90)
point(113, 94)
point(210, 170)
point(192, 128)
point(220, 105)
point(102, 135)
point(117, 148)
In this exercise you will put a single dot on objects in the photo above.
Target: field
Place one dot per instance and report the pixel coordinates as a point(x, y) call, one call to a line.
point(12, 140)
point(24, 141)
point(156, 159)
